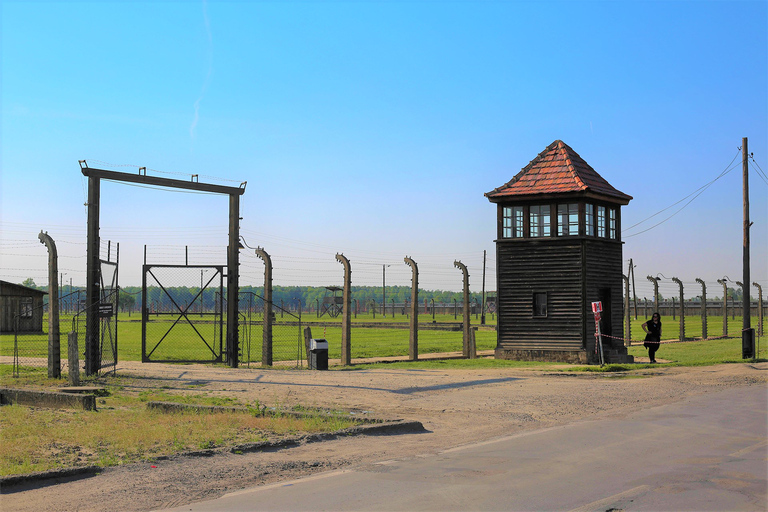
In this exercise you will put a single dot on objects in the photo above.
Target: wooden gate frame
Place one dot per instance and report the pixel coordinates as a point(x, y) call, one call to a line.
point(92, 276)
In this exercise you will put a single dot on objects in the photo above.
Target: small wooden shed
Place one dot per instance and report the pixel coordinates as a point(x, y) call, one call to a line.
point(22, 302)
point(558, 249)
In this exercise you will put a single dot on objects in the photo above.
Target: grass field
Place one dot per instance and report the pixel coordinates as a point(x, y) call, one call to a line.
point(693, 327)
point(183, 342)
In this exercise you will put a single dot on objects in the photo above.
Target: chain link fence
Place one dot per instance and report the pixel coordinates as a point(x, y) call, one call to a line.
point(183, 314)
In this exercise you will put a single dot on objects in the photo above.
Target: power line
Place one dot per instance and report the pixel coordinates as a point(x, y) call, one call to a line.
point(760, 171)
point(695, 194)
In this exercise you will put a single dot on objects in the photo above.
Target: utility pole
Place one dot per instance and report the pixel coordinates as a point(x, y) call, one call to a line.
point(747, 333)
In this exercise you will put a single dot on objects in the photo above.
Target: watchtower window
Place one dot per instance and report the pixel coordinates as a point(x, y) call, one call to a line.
point(540, 304)
point(601, 221)
point(567, 219)
point(512, 222)
point(611, 223)
point(589, 219)
point(540, 221)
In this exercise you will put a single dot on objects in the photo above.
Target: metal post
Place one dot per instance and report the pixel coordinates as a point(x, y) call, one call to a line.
point(144, 313)
point(413, 341)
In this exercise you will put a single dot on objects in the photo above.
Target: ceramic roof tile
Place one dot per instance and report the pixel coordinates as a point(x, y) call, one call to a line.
point(557, 169)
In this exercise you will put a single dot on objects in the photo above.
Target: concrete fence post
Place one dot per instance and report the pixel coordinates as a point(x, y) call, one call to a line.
point(413, 339)
point(725, 305)
point(469, 349)
point(346, 320)
point(73, 359)
point(307, 337)
point(759, 309)
point(266, 343)
point(703, 308)
point(655, 281)
point(54, 342)
point(627, 319)
point(682, 309)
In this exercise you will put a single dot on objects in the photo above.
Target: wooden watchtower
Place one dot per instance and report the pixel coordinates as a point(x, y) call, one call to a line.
point(558, 249)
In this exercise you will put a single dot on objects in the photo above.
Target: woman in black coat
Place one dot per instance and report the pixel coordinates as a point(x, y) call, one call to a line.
point(653, 335)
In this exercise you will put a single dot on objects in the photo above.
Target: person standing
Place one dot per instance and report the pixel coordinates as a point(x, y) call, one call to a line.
point(652, 330)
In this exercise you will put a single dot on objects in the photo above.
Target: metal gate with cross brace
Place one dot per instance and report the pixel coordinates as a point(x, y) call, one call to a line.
point(109, 294)
point(182, 314)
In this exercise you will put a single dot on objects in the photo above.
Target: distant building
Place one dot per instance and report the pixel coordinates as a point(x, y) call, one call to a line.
point(26, 304)
point(558, 249)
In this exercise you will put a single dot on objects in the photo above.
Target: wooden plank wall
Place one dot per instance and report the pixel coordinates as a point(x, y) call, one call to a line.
point(551, 266)
point(603, 270)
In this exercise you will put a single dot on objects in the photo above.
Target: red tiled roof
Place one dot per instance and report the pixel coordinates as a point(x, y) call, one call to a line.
point(557, 170)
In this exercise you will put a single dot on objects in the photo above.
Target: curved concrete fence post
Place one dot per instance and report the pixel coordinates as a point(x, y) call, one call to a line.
point(266, 344)
point(469, 348)
point(703, 307)
point(682, 309)
point(346, 317)
point(54, 343)
point(413, 340)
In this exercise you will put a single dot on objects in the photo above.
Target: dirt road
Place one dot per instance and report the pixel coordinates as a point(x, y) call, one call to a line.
point(456, 407)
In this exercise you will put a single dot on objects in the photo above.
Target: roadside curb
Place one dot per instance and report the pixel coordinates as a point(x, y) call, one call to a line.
point(380, 427)
point(11, 480)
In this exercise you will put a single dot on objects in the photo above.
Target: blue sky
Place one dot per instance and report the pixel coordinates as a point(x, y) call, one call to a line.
point(374, 129)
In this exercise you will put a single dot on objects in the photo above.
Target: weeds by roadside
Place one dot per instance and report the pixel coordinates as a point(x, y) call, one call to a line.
point(124, 430)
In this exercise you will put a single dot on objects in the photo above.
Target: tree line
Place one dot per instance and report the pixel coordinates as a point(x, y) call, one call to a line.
point(289, 297)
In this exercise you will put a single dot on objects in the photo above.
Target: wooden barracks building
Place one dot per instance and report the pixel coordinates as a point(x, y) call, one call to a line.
point(558, 249)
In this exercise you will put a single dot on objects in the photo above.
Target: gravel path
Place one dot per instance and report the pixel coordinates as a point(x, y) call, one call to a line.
point(456, 407)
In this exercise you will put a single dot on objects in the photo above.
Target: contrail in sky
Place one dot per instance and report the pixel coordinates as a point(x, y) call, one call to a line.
point(208, 75)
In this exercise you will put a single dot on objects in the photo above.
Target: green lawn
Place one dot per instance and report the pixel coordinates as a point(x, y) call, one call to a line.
point(671, 327)
point(183, 343)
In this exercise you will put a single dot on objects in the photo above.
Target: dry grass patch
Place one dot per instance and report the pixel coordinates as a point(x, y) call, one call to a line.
point(124, 430)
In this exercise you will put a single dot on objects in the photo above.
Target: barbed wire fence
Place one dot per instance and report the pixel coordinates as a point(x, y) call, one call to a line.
point(315, 266)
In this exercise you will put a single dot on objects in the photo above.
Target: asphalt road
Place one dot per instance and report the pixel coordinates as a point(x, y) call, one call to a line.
point(708, 452)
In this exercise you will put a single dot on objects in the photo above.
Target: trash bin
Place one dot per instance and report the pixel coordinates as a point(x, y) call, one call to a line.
point(318, 354)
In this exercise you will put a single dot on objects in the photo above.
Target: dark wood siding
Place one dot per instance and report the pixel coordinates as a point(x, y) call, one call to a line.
point(603, 272)
point(10, 308)
point(553, 266)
